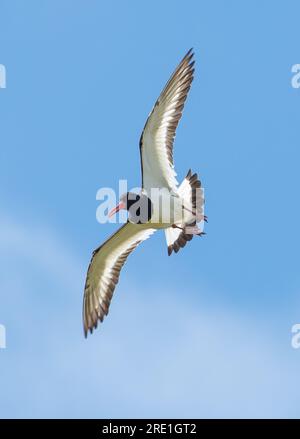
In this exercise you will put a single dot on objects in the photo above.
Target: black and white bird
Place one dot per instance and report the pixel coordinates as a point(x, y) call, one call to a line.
point(146, 215)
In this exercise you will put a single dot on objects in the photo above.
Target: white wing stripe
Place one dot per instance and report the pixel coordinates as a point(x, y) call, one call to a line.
point(104, 270)
point(156, 144)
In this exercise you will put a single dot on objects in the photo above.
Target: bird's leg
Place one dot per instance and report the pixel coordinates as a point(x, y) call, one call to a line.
point(189, 230)
point(193, 230)
point(199, 217)
point(174, 226)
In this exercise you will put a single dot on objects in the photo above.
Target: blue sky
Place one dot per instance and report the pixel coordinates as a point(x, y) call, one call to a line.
point(206, 332)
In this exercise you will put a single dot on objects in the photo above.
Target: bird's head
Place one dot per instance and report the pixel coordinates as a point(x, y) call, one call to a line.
point(126, 202)
point(139, 207)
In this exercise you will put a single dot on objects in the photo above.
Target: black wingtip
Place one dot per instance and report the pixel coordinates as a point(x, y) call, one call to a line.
point(87, 330)
point(189, 56)
point(189, 174)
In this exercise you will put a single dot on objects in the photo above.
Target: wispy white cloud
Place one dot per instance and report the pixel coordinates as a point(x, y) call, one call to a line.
point(158, 354)
point(39, 245)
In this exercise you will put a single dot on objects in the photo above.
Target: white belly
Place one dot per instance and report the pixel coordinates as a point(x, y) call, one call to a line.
point(167, 209)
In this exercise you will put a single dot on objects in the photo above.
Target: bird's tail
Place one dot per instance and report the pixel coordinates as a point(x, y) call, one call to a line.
point(192, 195)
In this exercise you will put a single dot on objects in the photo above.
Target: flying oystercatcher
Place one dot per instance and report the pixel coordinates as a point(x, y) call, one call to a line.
point(183, 203)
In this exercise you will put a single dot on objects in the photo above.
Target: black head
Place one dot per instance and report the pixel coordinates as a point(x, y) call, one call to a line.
point(139, 207)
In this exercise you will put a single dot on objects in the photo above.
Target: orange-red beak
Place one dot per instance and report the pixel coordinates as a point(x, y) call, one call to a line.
point(116, 209)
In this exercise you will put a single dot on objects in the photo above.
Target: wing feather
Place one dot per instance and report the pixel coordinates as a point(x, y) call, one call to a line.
point(156, 143)
point(104, 271)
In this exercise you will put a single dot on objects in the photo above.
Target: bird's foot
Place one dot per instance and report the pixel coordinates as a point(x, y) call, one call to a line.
point(189, 230)
point(193, 230)
point(199, 216)
point(174, 226)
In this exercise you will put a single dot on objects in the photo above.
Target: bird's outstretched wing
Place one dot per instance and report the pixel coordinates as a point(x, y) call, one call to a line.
point(104, 271)
point(156, 143)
